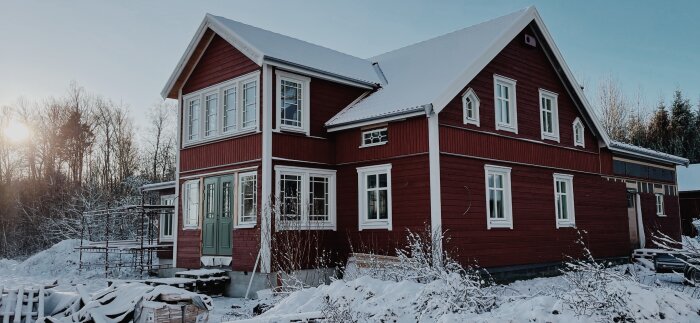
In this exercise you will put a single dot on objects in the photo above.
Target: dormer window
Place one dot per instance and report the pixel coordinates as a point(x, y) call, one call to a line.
point(505, 103)
point(470, 106)
point(293, 102)
point(579, 130)
point(549, 115)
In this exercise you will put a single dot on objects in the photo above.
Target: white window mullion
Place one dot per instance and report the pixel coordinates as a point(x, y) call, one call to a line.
point(564, 209)
point(499, 207)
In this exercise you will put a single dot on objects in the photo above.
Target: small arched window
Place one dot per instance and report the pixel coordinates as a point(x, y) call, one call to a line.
point(470, 107)
point(579, 132)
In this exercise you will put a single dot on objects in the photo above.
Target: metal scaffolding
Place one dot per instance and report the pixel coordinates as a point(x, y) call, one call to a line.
point(124, 237)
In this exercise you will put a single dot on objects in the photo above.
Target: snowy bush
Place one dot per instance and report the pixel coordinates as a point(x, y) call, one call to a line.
point(594, 288)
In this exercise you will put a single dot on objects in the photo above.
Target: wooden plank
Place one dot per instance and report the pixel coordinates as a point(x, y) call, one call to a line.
point(6, 304)
point(30, 306)
point(40, 306)
point(18, 307)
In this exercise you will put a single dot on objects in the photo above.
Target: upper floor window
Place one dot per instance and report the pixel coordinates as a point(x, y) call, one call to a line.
point(190, 204)
point(506, 103)
point(499, 206)
point(306, 198)
point(549, 115)
point(579, 139)
point(374, 195)
point(564, 200)
point(375, 137)
point(215, 110)
point(660, 204)
point(470, 107)
point(293, 102)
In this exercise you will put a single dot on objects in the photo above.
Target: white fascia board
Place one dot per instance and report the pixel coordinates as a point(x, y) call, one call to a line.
point(210, 23)
point(361, 123)
point(316, 73)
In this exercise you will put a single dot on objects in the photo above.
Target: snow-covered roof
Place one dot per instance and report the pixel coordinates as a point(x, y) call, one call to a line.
point(418, 74)
point(636, 151)
point(688, 178)
point(262, 45)
point(158, 186)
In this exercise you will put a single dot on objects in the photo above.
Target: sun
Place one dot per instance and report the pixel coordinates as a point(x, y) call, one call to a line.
point(17, 132)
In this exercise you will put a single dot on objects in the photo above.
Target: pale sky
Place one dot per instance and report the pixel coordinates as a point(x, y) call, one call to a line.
point(126, 50)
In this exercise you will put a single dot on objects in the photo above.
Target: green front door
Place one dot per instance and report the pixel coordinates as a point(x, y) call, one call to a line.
point(218, 214)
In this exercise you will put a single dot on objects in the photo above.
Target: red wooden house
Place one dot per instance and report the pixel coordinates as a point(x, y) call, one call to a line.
point(482, 132)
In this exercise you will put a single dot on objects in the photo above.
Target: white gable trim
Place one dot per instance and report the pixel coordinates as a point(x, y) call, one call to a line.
point(497, 46)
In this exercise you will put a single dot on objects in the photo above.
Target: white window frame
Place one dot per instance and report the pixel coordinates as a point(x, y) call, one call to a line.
point(553, 97)
point(362, 137)
point(305, 101)
point(363, 222)
point(474, 120)
point(187, 223)
point(208, 133)
point(507, 222)
point(163, 214)
point(218, 89)
point(239, 223)
point(189, 123)
point(306, 174)
point(233, 128)
point(570, 222)
point(659, 202)
point(582, 142)
point(513, 103)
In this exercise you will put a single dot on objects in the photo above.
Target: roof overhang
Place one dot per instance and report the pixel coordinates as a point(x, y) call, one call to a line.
point(619, 148)
point(157, 186)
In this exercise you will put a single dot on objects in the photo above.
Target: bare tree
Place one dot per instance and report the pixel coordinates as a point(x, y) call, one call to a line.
point(614, 108)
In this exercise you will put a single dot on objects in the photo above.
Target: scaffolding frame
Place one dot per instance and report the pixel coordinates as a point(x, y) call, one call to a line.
point(126, 236)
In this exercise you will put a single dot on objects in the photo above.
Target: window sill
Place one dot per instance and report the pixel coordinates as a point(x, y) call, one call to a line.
point(245, 226)
point(373, 145)
point(190, 228)
point(379, 225)
point(293, 129)
point(550, 138)
point(507, 128)
point(307, 227)
point(471, 122)
point(566, 225)
point(500, 225)
point(662, 215)
point(166, 239)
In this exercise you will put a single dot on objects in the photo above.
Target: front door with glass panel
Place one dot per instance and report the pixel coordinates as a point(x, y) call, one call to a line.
point(218, 216)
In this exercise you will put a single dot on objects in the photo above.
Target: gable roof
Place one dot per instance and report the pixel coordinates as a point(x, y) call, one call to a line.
point(262, 46)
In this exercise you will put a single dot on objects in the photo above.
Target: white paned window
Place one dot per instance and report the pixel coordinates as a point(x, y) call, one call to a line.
point(166, 218)
point(305, 197)
point(211, 105)
point(193, 119)
point(250, 100)
point(293, 102)
point(374, 196)
point(190, 201)
point(247, 198)
point(564, 200)
point(505, 103)
point(579, 131)
point(660, 205)
point(549, 115)
point(499, 207)
point(470, 107)
point(375, 137)
point(223, 110)
point(230, 109)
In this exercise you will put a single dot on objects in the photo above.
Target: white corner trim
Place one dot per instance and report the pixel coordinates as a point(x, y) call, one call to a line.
point(507, 222)
point(364, 224)
point(513, 100)
point(476, 102)
point(435, 185)
point(178, 198)
point(266, 176)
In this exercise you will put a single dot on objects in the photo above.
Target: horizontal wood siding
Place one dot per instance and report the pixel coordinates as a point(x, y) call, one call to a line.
point(653, 224)
point(221, 153)
point(406, 137)
point(327, 99)
point(219, 62)
point(600, 209)
point(484, 145)
point(532, 70)
point(304, 148)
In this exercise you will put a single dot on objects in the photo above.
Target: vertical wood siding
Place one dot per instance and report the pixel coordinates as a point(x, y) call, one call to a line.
point(653, 224)
point(600, 209)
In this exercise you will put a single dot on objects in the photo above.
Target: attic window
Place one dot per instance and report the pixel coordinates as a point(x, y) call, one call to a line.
point(375, 137)
point(505, 103)
point(470, 105)
point(579, 131)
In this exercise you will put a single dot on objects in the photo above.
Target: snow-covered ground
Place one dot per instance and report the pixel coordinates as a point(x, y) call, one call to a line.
point(657, 297)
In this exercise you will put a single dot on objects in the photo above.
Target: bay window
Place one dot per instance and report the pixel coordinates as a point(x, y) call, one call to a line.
point(374, 198)
point(305, 198)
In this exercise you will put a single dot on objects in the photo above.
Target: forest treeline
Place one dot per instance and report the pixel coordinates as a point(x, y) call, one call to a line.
point(84, 152)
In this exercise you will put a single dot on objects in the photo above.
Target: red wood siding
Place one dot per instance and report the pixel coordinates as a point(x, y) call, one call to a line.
point(221, 153)
point(405, 138)
point(532, 71)
point(303, 148)
point(670, 224)
point(690, 210)
point(219, 62)
point(484, 145)
point(600, 209)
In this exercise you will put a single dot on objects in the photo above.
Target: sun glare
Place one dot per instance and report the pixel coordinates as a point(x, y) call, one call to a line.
point(17, 132)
